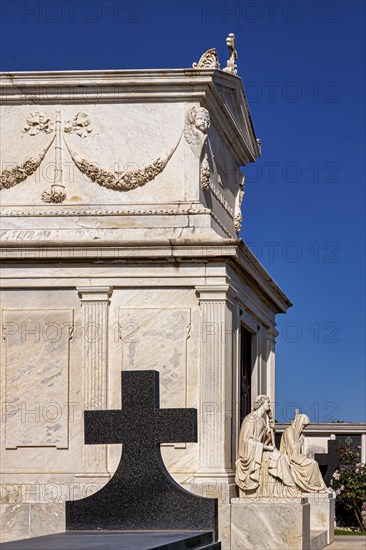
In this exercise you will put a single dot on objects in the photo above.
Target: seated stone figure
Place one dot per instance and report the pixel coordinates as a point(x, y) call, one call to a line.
point(261, 470)
point(305, 471)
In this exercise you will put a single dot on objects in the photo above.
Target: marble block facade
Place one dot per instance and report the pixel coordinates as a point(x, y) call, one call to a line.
point(270, 526)
point(121, 198)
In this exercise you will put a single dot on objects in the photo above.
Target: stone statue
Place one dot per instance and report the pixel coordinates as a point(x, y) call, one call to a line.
point(195, 129)
point(304, 470)
point(261, 470)
point(231, 66)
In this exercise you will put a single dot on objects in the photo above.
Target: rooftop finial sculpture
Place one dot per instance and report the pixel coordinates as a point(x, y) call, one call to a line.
point(208, 60)
point(231, 66)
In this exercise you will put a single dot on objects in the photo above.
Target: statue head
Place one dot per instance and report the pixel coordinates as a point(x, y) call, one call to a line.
point(200, 118)
point(261, 400)
point(299, 422)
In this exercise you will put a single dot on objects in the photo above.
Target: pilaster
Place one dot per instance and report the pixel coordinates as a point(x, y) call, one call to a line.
point(95, 303)
point(215, 384)
point(270, 370)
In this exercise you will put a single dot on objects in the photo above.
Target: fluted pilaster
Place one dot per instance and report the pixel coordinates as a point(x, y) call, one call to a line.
point(215, 382)
point(95, 303)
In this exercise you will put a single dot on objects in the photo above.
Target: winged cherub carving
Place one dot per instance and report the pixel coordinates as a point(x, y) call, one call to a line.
point(195, 129)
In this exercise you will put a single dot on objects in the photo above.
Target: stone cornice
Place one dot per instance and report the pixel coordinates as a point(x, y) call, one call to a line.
point(105, 86)
point(134, 86)
point(327, 428)
point(246, 260)
point(219, 251)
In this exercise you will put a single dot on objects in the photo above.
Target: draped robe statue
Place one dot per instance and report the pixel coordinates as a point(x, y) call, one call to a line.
point(262, 470)
point(304, 470)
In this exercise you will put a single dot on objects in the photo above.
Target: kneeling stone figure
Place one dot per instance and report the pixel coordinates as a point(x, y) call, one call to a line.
point(264, 471)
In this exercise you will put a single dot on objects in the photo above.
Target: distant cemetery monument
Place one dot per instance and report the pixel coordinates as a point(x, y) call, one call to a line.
point(121, 207)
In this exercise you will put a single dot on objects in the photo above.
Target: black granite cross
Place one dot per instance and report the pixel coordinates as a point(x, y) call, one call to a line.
point(141, 494)
point(328, 462)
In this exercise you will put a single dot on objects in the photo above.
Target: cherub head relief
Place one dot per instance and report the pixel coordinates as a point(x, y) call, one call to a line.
point(195, 130)
point(199, 117)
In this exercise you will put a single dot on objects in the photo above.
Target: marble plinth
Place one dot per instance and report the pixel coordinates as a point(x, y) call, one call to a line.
point(269, 526)
point(322, 514)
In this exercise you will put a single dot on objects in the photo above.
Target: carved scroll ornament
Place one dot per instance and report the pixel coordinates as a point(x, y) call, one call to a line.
point(208, 60)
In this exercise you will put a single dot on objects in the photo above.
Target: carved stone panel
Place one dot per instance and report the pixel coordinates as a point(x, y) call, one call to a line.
point(37, 357)
point(157, 339)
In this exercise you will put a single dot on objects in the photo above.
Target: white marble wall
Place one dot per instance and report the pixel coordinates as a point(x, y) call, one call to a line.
point(124, 321)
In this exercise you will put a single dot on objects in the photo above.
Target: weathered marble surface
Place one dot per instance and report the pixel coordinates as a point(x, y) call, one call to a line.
point(265, 526)
point(37, 377)
point(157, 339)
point(322, 514)
point(20, 521)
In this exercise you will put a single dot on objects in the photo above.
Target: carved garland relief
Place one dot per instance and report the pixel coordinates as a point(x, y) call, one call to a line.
point(80, 125)
point(195, 133)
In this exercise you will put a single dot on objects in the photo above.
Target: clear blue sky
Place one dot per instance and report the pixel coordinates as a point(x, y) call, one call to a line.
point(302, 64)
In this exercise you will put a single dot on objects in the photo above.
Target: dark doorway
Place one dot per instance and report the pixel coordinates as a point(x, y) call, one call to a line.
point(245, 372)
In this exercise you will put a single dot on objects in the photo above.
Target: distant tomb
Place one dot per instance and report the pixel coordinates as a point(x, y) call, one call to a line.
point(328, 462)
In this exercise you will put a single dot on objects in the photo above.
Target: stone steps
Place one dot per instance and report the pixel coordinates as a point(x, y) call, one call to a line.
point(318, 540)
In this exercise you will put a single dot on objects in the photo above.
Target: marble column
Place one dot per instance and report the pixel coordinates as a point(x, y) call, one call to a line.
point(270, 367)
point(363, 448)
point(95, 303)
point(216, 384)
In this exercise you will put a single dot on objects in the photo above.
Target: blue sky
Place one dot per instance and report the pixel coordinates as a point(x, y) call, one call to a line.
point(302, 64)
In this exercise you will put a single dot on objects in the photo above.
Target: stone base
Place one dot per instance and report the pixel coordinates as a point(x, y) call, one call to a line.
point(270, 526)
point(318, 540)
point(23, 520)
point(322, 513)
point(225, 492)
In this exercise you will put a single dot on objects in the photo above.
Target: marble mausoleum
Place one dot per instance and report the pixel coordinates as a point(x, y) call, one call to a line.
point(121, 195)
